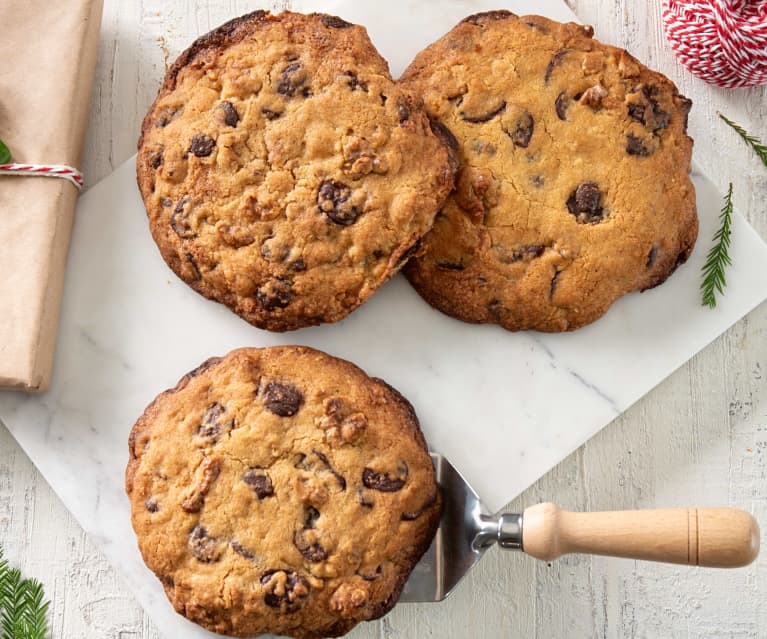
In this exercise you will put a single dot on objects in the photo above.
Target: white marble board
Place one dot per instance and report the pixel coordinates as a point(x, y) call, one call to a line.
point(504, 407)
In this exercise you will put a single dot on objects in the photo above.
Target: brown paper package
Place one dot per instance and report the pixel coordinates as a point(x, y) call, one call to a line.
point(48, 51)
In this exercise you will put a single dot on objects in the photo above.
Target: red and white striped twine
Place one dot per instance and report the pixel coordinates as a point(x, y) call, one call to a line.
point(45, 170)
point(724, 42)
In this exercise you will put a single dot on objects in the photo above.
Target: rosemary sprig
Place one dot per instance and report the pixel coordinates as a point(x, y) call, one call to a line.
point(718, 257)
point(23, 612)
point(5, 153)
point(755, 143)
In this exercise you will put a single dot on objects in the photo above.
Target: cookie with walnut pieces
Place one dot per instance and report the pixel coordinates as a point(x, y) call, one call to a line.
point(573, 187)
point(284, 173)
point(281, 490)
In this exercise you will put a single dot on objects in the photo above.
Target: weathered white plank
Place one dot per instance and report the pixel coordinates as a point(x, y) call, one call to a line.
point(700, 437)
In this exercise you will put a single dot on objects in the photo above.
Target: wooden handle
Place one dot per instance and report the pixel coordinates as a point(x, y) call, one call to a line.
point(714, 537)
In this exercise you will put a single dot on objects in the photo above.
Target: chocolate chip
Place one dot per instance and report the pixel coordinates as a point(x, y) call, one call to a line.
point(202, 145)
point(276, 293)
point(214, 423)
point(561, 104)
point(652, 256)
point(648, 110)
point(297, 265)
point(409, 252)
point(311, 515)
point(231, 117)
point(415, 514)
point(555, 61)
point(269, 114)
point(478, 18)
point(450, 266)
point(636, 112)
point(311, 550)
point(334, 22)
point(180, 222)
point(484, 117)
point(242, 551)
point(152, 505)
point(553, 284)
point(636, 146)
point(384, 482)
point(203, 547)
point(292, 79)
point(284, 589)
point(333, 201)
point(156, 160)
point(259, 482)
point(282, 399)
point(364, 501)
point(324, 459)
point(520, 129)
point(166, 116)
point(403, 110)
point(355, 82)
point(523, 252)
point(585, 203)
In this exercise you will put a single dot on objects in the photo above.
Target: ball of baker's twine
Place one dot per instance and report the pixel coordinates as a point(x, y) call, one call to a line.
point(724, 42)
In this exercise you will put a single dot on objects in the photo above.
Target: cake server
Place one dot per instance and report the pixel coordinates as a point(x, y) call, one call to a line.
point(713, 537)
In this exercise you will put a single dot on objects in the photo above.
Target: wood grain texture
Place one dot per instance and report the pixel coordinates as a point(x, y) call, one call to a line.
point(700, 438)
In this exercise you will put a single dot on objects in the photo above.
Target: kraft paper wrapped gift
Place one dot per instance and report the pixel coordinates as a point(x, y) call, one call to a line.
point(48, 52)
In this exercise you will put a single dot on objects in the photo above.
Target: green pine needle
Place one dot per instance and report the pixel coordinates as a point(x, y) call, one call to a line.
point(755, 143)
point(23, 612)
point(718, 257)
point(5, 153)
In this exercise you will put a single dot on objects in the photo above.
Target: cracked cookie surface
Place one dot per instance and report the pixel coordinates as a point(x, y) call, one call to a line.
point(573, 186)
point(281, 490)
point(284, 173)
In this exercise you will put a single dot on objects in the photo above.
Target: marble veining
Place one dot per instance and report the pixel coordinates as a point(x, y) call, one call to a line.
point(503, 407)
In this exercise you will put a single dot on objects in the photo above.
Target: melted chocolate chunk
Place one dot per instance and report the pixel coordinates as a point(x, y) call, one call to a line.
point(444, 134)
point(156, 160)
point(585, 203)
point(450, 266)
point(276, 293)
point(152, 505)
point(297, 265)
point(269, 114)
point(403, 110)
point(214, 423)
point(311, 550)
point(284, 589)
point(521, 253)
point(324, 459)
point(259, 482)
point(555, 61)
point(202, 145)
point(242, 551)
point(292, 79)
point(282, 399)
point(334, 22)
point(384, 482)
point(311, 515)
point(333, 201)
point(180, 222)
point(485, 117)
point(521, 131)
point(561, 104)
point(636, 146)
point(203, 547)
point(355, 82)
point(231, 117)
point(478, 18)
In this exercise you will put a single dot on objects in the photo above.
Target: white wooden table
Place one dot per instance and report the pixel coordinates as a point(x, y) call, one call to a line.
point(700, 438)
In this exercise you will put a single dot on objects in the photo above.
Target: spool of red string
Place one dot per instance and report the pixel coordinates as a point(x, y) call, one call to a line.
point(724, 42)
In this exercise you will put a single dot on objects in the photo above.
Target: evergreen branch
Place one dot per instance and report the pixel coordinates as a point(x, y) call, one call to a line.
point(755, 143)
point(23, 612)
point(718, 257)
point(5, 153)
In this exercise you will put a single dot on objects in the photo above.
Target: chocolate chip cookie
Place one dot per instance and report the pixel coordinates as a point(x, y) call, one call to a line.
point(573, 186)
point(281, 490)
point(284, 173)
